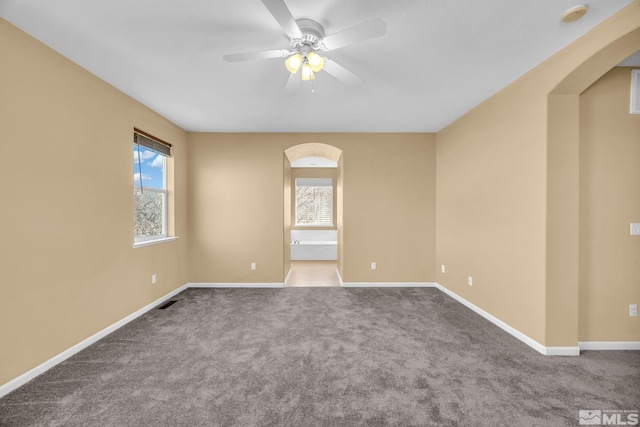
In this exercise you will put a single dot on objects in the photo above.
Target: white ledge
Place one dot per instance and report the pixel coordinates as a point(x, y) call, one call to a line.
point(153, 242)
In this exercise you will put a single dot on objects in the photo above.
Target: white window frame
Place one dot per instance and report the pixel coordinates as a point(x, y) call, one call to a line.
point(144, 240)
point(635, 92)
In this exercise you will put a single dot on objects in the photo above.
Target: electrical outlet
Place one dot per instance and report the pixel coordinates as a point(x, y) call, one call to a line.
point(633, 310)
point(635, 229)
point(470, 281)
point(374, 265)
point(153, 279)
point(442, 268)
point(253, 265)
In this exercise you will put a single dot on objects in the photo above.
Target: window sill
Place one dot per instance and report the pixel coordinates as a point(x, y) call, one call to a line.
point(153, 242)
point(314, 225)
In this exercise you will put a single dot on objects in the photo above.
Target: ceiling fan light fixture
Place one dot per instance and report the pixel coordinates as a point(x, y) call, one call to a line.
point(315, 61)
point(293, 63)
point(307, 72)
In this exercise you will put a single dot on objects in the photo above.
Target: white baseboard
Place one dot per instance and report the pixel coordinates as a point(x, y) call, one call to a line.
point(388, 284)
point(561, 351)
point(547, 351)
point(609, 345)
point(236, 285)
point(38, 370)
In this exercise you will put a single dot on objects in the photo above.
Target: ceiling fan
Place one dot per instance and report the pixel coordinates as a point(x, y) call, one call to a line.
point(306, 41)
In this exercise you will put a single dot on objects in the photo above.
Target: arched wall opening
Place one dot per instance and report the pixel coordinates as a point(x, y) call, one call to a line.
point(563, 281)
point(515, 156)
point(296, 153)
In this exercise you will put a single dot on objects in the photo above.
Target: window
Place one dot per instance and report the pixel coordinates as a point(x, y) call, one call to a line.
point(149, 188)
point(314, 201)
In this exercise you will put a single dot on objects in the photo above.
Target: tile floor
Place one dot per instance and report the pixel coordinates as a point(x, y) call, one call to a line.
point(313, 274)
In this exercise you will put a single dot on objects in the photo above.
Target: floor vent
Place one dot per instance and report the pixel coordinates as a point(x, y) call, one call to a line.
point(167, 304)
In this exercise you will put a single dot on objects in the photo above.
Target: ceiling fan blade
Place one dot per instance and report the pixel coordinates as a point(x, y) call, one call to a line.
point(341, 73)
point(281, 12)
point(356, 34)
point(291, 89)
point(250, 56)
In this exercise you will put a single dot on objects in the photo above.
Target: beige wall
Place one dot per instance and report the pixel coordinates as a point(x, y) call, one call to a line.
point(236, 211)
point(68, 268)
point(388, 207)
point(507, 189)
point(490, 212)
point(609, 201)
point(236, 208)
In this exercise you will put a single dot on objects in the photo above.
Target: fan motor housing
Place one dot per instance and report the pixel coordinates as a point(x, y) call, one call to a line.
point(312, 33)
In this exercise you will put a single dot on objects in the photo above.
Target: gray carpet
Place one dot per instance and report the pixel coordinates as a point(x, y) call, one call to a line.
point(320, 357)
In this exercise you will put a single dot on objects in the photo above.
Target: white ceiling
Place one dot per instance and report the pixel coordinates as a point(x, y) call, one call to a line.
point(632, 61)
point(438, 59)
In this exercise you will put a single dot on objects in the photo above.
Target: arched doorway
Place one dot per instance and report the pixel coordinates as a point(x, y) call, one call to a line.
point(563, 311)
point(315, 164)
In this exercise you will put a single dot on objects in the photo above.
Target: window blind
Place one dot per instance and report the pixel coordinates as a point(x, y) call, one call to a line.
point(314, 182)
point(149, 142)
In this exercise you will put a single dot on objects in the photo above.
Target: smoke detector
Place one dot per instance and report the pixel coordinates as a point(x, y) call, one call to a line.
point(574, 13)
